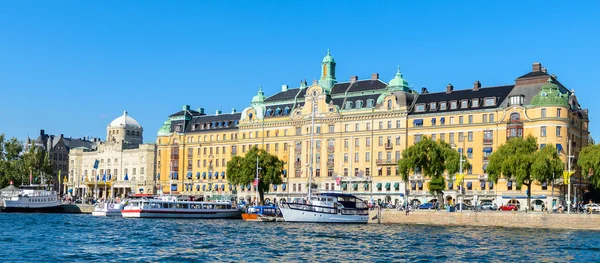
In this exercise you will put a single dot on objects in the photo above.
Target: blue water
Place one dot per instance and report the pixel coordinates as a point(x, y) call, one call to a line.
point(77, 238)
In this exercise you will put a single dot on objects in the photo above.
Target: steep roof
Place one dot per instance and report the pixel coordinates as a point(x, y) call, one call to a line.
point(206, 123)
point(499, 92)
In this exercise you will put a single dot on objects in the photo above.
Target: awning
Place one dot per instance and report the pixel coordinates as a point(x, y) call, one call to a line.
point(189, 175)
point(209, 175)
point(222, 187)
point(173, 187)
point(433, 120)
point(469, 150)
point(203, 175)
point(487, 149)
point(443, 119)
point(418, 122)
point(387, 185)
point(126, 178)
point(482, 184)
point(485, 165)
point(354, 186)
point(198, 175)
point(249, 186)
point(378, 185)
point(509, 184)
point(209, 187)
point(175, 175)
point(187, 187)
point(274, 187)
point(544, 184)
point(366, 186)
point(559, 147)
point(198, 187)
point(542, 146)
point(460, 150)
point(420, 184)
point(203, 187)
point(284, 173)
point(158, 176)
point(223, 175)
point(230, 187)
point(469, 184)
point(450, 183)
point(283, 187)
point(396, 185)
point(413, 184)
point(491, 184)
point(70, 190)
point(344, 185)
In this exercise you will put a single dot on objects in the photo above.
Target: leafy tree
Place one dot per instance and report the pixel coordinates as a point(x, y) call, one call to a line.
point(589, 161)
point(242, 170)
point(432, 159)
point(514, 160)
point(37, 162)
point(547, 165)
point(10, 161)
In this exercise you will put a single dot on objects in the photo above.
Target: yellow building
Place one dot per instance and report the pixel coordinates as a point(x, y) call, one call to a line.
point(361, 128)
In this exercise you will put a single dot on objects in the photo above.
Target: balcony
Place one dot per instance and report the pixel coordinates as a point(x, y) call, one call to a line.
point(297, 165)
point(389, 146)
point(174, 156)
point(330, 149)
point(386, 161)
point(488, 141)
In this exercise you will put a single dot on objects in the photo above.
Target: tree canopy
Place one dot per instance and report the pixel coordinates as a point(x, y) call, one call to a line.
point(589, 161)
point(15, 165)
point(432, 158)
point(242, 170)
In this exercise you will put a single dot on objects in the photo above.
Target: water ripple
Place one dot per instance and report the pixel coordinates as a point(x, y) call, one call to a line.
point(77, 238)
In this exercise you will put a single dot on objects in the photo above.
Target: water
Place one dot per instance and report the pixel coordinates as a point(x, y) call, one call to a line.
point(77, 238)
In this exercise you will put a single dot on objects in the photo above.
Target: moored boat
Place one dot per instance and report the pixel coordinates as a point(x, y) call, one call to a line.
point(261, 214)
point(329, 207)
point(32, 199)
point(109, 209)
point(170, 207)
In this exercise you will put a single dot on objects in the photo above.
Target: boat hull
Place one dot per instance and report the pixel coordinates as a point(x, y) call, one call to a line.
point(249, 217)
point(107, 213)
point(167, 213)
point(50, 209)
point(293, 215)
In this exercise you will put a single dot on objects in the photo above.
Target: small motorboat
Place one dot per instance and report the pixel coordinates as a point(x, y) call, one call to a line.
point(109, 208)
point(262, 214)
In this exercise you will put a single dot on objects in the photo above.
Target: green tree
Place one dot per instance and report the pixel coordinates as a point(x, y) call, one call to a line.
point(547, 165)
point(513, 161)
point(242, 170)
point(432, 159)
point(11, 162)
point(589, 161)
point(37, 162)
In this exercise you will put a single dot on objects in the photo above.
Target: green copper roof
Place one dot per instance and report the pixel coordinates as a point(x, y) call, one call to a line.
point(260, 97)
point(398, 83)
point(328, 57)
point(550, 95)
point(165, 129)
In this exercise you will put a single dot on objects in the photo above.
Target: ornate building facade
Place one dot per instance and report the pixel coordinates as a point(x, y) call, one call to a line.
point(125, 164)
point(361, 128)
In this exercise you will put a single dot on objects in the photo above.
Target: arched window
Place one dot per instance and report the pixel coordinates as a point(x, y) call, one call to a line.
point(286, 111)
point(515, 116)
point(278, 111)
point(269, 112)
point(389, 104)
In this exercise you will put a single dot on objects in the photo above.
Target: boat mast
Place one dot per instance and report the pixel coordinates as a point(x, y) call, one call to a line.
point(256, 180)
point(312, 137)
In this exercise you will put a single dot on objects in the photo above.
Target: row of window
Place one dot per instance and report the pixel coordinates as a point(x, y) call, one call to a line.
point(454, 104)
point(115, 172)
point(485, 118)
point(358, 104)
point(543, 131)
point(488, 136)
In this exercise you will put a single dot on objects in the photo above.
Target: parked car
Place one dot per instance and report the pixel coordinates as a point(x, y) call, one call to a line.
point(595, 208)
point(488, 206)
point(464, 207)
point(426, 206)
point(509, 207)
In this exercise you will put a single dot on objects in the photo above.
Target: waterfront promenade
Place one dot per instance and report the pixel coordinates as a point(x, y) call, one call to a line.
point(491, 219)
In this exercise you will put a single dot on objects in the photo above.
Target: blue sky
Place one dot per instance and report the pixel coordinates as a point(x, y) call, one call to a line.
point(72, 66)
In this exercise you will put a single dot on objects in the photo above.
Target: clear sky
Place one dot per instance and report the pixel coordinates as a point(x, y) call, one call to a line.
point(72, 66)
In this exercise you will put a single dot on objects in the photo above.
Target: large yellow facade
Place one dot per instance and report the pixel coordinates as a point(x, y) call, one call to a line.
point(361, 128)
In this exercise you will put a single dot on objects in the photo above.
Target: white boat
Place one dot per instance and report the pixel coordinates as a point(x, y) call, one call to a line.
point(109, 208)
point(32, 199)
point(170, 207)
point(330, 207)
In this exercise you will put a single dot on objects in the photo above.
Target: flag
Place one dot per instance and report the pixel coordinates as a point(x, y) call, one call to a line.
point(567, 176)
point(338, 180)
point(96, 163)
point(126, 178)
point(256, 182)
point(104, 177)
point(58, 176)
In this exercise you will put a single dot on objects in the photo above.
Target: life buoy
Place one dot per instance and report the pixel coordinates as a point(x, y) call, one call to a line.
point(112, 206)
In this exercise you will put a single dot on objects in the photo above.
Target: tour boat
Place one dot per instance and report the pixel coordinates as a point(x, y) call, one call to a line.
point(262, 214)
point(332, 207)
point(32, 199)
point(109, 209)
point(170, 207)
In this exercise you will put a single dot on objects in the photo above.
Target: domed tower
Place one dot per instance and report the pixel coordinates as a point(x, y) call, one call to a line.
point(125, 129)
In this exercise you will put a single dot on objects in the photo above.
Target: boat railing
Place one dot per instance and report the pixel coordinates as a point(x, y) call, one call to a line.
point(312, 208)
point(355, 211)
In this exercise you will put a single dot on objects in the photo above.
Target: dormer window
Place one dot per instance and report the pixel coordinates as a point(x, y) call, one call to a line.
point(269, 112)
point(443, 105)
point(516, 100)
point(453, 105)
point(464, 104)
point(432, 106)
point(370, 102)
point(489, 102)
point(475, 103)
point(348, 105)
point(420, 107)
point(359, 104)
point(278, 111)
point(286, 111)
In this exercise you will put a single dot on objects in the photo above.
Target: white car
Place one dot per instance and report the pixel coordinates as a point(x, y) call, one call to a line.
point(594, 207)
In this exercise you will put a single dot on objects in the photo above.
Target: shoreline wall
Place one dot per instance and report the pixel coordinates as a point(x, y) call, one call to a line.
point(491, 218)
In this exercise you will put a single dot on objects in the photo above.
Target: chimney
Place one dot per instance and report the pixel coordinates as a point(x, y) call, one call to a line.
point(545, 70)
point(62, 135)
point(284, 87)
point(217, 112)
point(476, 85)
point(536, 67)
point(200, 110)
point(353, 79)
point(554, 76)
point(42, 133)
point(375, 76)
point(449, 88)
point(186, 107)
point(424, 90)
point(233, 110)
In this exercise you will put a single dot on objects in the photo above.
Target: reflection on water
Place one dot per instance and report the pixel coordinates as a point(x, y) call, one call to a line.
point(76, 238)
